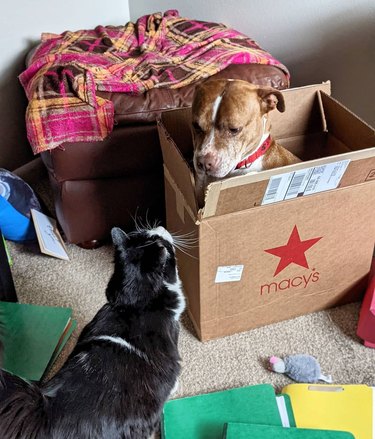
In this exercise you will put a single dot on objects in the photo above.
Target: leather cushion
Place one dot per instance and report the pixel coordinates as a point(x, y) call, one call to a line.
point(128, 151)
point(145, 108)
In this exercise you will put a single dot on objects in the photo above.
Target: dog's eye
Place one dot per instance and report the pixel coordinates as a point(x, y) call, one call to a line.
point(197, 128)
point(234, 131)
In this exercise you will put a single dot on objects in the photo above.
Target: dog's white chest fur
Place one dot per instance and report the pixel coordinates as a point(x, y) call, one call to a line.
point(257, 165)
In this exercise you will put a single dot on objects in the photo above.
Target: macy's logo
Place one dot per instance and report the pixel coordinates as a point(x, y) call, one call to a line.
point(294, 282)
point(293, 252)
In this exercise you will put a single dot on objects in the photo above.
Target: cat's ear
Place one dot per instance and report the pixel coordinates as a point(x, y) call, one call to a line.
point(118, 236)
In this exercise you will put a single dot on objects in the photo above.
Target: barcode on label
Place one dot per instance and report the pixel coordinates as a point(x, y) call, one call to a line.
point(298, 184)
point(295, 185)
point(272, 191)
point(304, 182)
point(277, 187)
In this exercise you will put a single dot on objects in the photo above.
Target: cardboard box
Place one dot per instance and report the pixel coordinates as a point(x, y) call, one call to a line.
point(259, 260)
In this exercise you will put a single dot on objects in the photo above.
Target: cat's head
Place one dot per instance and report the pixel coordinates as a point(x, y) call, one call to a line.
point(144, 261)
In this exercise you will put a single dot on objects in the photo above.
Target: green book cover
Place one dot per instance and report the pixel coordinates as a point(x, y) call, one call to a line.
point(251, 431)
point(71, 326)
point(204, 416)
point(32, 336)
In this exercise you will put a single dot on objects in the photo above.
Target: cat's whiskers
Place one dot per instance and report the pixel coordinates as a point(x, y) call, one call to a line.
point(136, 221)
point(182, 250)
point(186, 242)
point(191, 233)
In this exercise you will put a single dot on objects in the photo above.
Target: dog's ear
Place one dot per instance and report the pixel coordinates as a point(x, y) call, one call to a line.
point(271, 99)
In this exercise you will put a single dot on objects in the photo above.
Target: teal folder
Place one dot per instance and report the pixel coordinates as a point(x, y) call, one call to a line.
point(204, 416)
point(33, 336)
point(249, 431)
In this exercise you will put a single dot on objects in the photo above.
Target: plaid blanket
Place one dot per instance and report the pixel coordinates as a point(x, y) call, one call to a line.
point(157, 51)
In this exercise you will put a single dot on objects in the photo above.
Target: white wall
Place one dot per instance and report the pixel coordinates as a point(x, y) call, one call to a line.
point(22, 22)
point(316, 39)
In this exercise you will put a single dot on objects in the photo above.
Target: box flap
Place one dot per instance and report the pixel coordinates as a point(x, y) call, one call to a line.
point(173, 129)
point(247, 191)
point(346, 126)
point(302, 112)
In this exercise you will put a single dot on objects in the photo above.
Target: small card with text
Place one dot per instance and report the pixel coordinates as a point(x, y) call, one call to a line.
point(49, 238)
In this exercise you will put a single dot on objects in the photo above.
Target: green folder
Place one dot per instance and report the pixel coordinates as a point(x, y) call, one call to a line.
point(204, 416)
point(33, 336)
point(252, 431)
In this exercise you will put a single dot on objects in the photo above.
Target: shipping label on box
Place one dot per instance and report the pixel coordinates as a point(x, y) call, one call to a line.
point(307, 181)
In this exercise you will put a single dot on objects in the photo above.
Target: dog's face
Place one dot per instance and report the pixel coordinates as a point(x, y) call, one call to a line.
point(227, 121)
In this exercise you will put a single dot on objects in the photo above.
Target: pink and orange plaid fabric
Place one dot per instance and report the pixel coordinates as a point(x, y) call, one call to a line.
point(157, 51)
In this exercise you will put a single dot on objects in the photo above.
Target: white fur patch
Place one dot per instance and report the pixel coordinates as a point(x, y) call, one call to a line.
point(210, 141)
point(162, 232)
point(123, 343)
point(175, 387)
point(257, 165)
point(215, 107)
point(177, 288)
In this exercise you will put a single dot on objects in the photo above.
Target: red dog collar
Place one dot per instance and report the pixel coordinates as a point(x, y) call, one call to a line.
point(247, 162)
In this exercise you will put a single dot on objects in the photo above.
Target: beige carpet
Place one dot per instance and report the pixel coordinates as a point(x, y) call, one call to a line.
point(232, 361)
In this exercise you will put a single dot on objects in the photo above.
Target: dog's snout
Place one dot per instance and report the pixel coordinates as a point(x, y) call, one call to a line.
point(207, 162)
point(200, 163)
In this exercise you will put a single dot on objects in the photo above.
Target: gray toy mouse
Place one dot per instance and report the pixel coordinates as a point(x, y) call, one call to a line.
point(301, 368)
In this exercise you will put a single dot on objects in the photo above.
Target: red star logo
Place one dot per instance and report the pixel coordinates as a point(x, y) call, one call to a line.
point(293, 251)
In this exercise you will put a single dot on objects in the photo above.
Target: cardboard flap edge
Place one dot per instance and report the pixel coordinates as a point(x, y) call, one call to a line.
point(177, 166)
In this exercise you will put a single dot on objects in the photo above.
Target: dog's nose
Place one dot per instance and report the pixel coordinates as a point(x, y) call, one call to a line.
point(207, 162)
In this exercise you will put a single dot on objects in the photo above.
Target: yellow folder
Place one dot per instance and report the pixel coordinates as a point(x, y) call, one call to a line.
point(334, 407)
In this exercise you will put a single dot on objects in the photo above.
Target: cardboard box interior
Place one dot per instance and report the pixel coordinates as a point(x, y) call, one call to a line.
point(234, 226)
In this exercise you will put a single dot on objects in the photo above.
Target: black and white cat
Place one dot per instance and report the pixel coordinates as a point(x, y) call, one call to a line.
point(125, 364)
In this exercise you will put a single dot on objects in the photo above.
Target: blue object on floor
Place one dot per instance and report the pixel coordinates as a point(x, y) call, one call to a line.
point(16, 201)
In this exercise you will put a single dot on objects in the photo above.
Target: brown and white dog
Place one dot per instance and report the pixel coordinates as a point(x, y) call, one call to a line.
point(231, 131)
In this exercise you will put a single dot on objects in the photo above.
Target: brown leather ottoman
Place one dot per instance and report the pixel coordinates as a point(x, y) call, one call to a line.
point(99, 185)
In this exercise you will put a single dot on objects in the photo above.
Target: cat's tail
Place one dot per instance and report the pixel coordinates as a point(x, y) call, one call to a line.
point(22, 408)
